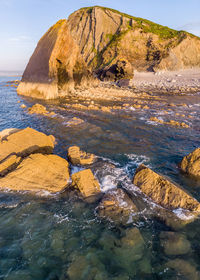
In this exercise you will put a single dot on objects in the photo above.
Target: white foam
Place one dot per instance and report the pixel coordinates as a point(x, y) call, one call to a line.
point(183, 214)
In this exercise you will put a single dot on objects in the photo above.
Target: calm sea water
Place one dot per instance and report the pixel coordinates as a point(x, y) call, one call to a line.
point(61, 236)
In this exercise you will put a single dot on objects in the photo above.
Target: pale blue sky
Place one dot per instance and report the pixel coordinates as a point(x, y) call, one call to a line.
point(23, 22)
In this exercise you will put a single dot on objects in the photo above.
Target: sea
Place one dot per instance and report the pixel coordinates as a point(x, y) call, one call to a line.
point(61, 236)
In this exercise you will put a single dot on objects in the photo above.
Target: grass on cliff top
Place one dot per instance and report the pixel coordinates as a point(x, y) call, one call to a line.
point(148, 26)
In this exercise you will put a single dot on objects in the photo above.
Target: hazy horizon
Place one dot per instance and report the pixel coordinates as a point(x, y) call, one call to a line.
point(27, 22)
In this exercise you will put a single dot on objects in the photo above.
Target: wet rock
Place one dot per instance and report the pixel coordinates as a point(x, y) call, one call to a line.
point(155, 119)
point(191, 163)
point(131, 250)
point(174, 243)
point(162, 191)
point(78, 157)
point(86, 183)
point(37, 173)
point(40, 110)
point(184, 268)
point(9, 164)
point(172, 220)
point(175, 123)
point(118, 207)
point(75, 121)
point(86, 267)
point(26, 142)
point(23, 106)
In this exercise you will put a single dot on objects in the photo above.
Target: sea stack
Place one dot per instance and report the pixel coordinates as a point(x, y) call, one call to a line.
point(104, 43)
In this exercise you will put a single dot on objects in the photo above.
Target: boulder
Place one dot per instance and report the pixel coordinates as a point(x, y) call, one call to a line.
point(191, 163)
point(118, 207)
point(162, 191)
point(86, 183)
point(36, 173)
point(78, 157)
point(25, 142)
point(174, 243)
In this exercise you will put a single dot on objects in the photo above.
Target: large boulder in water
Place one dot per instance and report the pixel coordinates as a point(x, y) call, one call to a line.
point(38, 172)
point(78, 157)
point(162, 191)
point(25, 142)
point(56, 66)
point(191, 163)
point(86, 183)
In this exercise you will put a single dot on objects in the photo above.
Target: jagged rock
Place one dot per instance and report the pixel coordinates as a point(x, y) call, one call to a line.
point(56, 66)
point(25, 142)
point(38, 172)
point(191, 163)
point(184, 268)
point(118, 207)
point(174, 243)
point(9, 164)
point(78, 157)
point(86, 183)
point(162, 191)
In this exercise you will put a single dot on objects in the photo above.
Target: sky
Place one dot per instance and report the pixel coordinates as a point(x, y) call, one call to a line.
point(23, 22)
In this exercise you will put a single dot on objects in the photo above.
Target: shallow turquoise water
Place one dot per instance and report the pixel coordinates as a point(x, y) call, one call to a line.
point(62, 237)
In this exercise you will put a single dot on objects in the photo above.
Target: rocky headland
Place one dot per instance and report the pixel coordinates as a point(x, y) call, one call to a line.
point(98, 43)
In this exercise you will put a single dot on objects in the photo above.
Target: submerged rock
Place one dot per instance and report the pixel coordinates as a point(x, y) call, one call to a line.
point(191, 163)
point(118, 207)
point(38, 172)
point(162, 191)
point(131, 250)
point(184, 268)
point(86, 183)
point(174, 243)
point(86, 267)
point(78, 157)
point(25, 142)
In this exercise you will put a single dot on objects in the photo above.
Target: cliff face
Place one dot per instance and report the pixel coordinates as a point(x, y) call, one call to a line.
point(105, 36)
point(56, 66)
point(98, 40)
